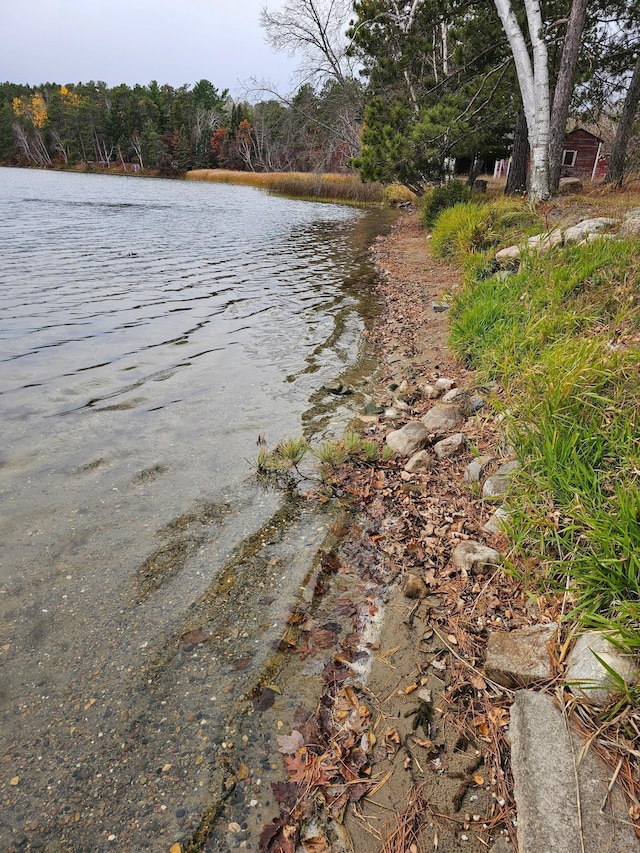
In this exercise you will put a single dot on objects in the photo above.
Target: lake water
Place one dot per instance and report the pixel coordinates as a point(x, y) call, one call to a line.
point(150, 331)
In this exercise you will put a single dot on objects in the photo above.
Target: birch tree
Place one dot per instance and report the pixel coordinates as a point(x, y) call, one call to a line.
point(533, 79)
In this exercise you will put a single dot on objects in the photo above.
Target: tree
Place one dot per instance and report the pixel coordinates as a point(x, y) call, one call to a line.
point(564, 89)
point(615, 171)
point(533, 78)
point(436, 89)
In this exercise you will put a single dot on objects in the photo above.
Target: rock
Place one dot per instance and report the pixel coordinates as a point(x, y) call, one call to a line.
point(372, 408)
point(521, 657)
point(409, 439)
point(585, 674)
point(570, 185)
point(543, 242)
point(453, 395)
point(414, 587)
point(632, 213)
point(497, 483)
point(443, 384)
point(498, 521)
point(443, 419)
point(508, 255)
point(547, 760)
point(475, 469)
point(400, 405)
point(403, 387)
point(588, 226)
point(476, 403)
point(450, 446)
point(440, 306)
point(475, 558)
point(430, 392)
point(420, 461)
point(502, 845)
point(337, 388)
point(630, 227)
point(391, 413)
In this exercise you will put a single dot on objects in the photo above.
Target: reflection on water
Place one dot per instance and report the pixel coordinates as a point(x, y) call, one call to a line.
point(149, 331)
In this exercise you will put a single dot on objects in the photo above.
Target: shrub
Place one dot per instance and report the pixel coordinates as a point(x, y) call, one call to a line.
point(442, 197)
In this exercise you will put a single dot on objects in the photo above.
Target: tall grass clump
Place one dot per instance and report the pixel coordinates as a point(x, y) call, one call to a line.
point(442, 197)
point(305, 185)
point(563, 335)
point(472, 227)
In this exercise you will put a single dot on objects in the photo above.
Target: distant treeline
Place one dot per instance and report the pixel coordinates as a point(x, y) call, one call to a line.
point(172, 130)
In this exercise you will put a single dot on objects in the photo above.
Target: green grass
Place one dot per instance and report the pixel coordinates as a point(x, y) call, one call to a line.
point(563, 336)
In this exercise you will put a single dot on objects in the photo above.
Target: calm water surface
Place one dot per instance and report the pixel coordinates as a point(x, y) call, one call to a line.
point(149, 332)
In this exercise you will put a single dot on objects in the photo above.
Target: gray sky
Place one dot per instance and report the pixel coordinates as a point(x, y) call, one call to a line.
point(136, 41)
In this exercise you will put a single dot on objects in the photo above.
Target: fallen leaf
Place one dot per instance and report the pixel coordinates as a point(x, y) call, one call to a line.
point(499, 716)
point(175, 848)
point(479, 780)
point(315, 844)
point(478, 682)
point(195, 637)
point(297, 766)
point(243, 772)
point(290, 744)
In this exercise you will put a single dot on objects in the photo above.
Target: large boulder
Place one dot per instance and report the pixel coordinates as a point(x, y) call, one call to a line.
point(567, 186)
point(582, 231)
point(409, 439)
point(630, 227)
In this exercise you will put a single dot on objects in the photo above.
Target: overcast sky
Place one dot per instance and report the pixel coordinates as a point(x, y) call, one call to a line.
point(136, 41)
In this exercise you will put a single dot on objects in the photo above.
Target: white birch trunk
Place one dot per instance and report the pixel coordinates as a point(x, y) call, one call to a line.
point(533, 78)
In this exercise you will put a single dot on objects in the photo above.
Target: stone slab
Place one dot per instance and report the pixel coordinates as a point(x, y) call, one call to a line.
point(556, 815)
point(521, 657)
point(585, 674)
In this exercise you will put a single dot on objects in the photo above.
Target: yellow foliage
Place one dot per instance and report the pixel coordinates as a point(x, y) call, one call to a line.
point(38, 110)
point(35, 110)
point(69, 98)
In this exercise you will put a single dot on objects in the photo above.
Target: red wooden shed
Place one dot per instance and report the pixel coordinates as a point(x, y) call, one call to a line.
point(581, 156)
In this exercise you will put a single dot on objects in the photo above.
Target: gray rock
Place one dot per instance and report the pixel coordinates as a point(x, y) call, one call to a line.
point(409, 439)
point(630, 227)
point(450, 446)
point(443, 419)
point(391, 414)
point(502, 845)
point(632, 213)
point(444, 384)
point(521, 657)
point(337, 388)
point(475, 558)
point(498, 483)
point(552, 816)
point(585, 674)
point(440, 306)
point(372, 408)
point(453, 395)
point(570, 185)
point(476, 403)
point(508, 255)
point(543, 242)
point(430, 392)
point(420, 461)
point(498, 521)
point(475, 469)
point(588, 226)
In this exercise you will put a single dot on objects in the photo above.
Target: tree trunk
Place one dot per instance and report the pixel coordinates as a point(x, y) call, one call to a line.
point(564, 89)
point(517, 177)
point(533, 79)
point(615, 172)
